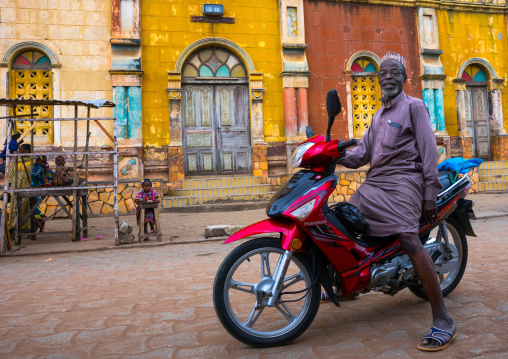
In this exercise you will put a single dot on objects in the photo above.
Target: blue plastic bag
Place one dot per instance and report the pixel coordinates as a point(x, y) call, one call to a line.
point(459, 164)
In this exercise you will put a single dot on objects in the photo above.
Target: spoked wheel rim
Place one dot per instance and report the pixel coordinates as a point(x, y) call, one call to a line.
point(456, 245)
point(251, 320)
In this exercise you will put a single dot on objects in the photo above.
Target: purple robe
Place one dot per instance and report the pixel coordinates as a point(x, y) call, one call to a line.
point(401, 148)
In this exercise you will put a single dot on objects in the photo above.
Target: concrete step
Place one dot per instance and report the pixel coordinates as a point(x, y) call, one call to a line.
point(172, 202)
point(493, 178)
point(493, 186)
point(221, 182)
point(493, 165)
point(221, 191)
point(494, 171)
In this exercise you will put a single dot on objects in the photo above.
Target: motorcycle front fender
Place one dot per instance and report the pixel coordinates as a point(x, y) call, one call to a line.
point(288, 228)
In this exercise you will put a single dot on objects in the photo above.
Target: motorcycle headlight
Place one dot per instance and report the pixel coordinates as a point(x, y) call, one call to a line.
point(302, 212)
point(297, 156)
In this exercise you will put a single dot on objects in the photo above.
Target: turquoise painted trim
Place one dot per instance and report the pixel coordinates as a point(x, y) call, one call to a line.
point(428, 99)
point(120, 111)
point(439, 106)
point(135, 127)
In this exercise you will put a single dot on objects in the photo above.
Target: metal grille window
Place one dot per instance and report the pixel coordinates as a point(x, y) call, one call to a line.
point(31, 78)
point(365, 94)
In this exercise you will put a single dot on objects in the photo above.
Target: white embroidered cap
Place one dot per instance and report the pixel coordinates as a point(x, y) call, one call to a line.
point(394, 56)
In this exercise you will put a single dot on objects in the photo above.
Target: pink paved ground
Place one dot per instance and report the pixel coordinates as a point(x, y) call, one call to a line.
point(156, 302)
point(187, 227)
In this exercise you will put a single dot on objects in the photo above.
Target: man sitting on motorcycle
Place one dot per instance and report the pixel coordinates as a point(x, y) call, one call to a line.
point(402, 182)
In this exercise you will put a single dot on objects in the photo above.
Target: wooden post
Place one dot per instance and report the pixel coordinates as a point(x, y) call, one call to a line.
point(5, 202)
point(75, 200)
point(115, 179)
point(157, 223)
point(31, 124)
point(88, 134)
point(141, 234)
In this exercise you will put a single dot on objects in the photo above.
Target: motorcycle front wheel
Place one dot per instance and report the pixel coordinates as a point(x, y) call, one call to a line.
point(448, 281)
point(244, 277)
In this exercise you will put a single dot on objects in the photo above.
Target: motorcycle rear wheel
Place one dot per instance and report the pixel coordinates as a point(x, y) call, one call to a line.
point(252, 265)
point(453, 278)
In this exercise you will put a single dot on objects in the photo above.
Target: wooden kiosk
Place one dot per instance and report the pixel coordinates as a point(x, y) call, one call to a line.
point(78, 191)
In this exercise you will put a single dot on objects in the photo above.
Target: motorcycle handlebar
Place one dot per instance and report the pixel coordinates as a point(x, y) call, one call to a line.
point(342, 146)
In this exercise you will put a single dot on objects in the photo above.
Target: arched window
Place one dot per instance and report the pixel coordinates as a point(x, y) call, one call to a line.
point(31, 78)
point(365, 94)
point(214, 63)
point(474, 73)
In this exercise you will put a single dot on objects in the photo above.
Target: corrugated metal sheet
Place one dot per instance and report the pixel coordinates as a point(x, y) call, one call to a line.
point(88, 103)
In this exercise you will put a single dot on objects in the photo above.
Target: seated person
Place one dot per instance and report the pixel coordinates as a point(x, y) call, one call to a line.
point(62, 176)
point(38, 175)
point(13, 147)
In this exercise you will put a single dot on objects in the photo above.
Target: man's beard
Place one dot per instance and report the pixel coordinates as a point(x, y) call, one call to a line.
point(391, 93)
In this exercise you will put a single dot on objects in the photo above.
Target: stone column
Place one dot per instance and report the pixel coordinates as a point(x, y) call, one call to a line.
point(439, 110)
point(135, 118)
point(290, 118)
point(462, 110)
point(303, 110)
point(428, 99)
point(258, 136)
point(496, 120)
point(120, 111)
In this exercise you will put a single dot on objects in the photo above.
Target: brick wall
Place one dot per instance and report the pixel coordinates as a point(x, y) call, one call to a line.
point(335, 31)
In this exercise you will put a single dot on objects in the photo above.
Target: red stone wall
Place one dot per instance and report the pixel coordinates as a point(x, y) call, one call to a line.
point(336, 31)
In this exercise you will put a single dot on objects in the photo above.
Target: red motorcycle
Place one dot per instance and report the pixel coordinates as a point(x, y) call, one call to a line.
point(267, 291)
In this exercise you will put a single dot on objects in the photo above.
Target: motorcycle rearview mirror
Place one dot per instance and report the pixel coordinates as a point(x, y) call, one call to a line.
point(308, 132)
point(333, 108)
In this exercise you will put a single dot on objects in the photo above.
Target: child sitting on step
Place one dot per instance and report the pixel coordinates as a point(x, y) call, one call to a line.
point(147, 194)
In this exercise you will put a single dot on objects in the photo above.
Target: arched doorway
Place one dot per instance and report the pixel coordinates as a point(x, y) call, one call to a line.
point(215, 111)
point(31, 78)
point(477, 109)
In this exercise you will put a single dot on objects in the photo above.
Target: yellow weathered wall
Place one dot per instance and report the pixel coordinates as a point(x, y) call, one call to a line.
point(78, 32)
point(465, 35)
point(166, 30)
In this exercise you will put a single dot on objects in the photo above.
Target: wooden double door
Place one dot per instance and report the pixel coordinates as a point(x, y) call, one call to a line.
point(479, 120)
point(216, 130)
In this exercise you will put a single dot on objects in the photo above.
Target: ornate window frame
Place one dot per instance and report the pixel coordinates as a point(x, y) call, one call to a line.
point(494, 84)
point(256, 89)
point(56, 64)
point(347, 71)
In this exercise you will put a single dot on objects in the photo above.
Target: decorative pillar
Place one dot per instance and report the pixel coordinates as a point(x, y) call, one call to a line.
point(439, 110)
point(303, 110)
point(258, 136)
point(428, 99)
point(257, 98)
point(496, 120)
point(175, 149)
point(120, 111)
point(433, 77)
point(295, 74)
point(290, 113)
point(463, 113)
point(126, 77)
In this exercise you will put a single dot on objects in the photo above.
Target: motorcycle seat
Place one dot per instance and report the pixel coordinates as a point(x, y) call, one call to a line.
point(374, 241)
point(446, 178)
